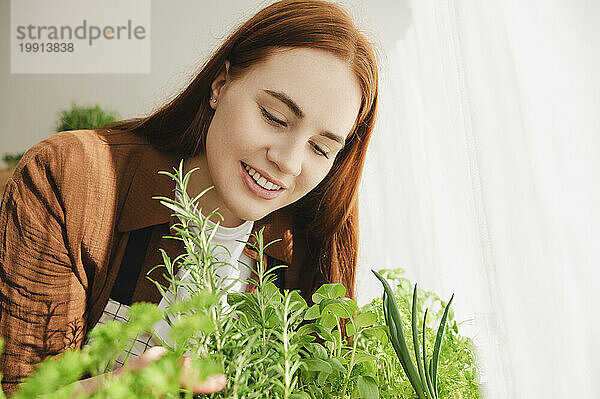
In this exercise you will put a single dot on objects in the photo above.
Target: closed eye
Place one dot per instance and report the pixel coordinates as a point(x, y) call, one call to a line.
point(271, 118)
point(318, 149)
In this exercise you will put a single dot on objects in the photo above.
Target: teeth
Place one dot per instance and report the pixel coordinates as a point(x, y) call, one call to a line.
point(260, 180)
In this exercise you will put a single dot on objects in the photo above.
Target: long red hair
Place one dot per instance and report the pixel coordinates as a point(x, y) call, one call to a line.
point(329, 213)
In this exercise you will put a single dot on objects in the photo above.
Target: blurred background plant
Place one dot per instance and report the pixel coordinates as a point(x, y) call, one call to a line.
point(78, 117)
point(11, 160)
point(75, 118)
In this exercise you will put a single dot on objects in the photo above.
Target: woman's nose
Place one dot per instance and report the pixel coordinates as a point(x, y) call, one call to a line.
point(288, 156)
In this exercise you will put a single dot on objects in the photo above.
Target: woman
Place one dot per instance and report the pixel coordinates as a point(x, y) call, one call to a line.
point(290, 95)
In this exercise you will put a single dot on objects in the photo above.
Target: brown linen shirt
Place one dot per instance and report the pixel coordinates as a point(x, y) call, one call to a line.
point(65, 219)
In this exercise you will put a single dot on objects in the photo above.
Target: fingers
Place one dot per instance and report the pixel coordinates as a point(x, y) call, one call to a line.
point(213, 383)
point(138, 363)
point(189, 379)
point(189, 376)
point(151, 355)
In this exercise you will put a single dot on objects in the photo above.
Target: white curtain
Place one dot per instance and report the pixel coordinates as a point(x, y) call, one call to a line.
point(483, 179)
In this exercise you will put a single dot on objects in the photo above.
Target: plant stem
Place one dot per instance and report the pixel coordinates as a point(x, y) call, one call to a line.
point(350, 364)
point(339, 341)
point(260, 292)
point(217, 326)
point(286, 360)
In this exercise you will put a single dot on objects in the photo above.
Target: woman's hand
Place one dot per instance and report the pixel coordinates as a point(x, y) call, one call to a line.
point(188, 380)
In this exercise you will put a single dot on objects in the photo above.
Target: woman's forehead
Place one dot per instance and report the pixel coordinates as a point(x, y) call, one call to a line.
point(319, 85)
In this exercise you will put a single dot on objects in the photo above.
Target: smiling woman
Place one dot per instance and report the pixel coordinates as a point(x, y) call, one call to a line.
point(278, 120)
point(278, 134)
point(291, 94)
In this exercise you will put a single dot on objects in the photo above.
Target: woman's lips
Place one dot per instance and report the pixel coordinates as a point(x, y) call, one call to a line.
point(255, 188)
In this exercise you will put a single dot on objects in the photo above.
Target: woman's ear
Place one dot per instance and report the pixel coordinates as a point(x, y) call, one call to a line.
point(217, 85)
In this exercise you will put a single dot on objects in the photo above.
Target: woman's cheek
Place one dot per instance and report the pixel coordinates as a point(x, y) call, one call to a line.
point(256, 137)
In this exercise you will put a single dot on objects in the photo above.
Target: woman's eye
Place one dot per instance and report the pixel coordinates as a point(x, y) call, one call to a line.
point(320, 150)
point(271, 118)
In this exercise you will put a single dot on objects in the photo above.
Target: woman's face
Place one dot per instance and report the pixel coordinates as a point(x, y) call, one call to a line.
point(287, 119)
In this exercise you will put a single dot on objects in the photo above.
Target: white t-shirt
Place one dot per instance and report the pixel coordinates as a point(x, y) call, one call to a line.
point(227, 237)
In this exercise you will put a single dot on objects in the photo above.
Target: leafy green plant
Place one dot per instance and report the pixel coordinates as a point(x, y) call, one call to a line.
point(75, 118)
point(333, 371)
point(12, 159)
point(458, 372)
point(425, 382)
point(78, 117)
point(53, 378)
point(269, 343)
point(269, 328)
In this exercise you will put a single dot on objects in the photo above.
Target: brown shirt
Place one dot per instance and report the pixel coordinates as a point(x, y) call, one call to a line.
point(65, 219)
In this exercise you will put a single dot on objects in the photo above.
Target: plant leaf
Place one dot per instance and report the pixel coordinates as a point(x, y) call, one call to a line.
point(329, 291)
point(313, 312)
point(361, 356)
point(317, 350)
point(425, 366)
point(337, 307)
point(378, 332)
point(336, 365)
point(415, 333)
point(328, 321)
point(438, 344)
point(394, 322)
point(320, 365)
point(365, 319)
point(367, 387)
point(350, 331)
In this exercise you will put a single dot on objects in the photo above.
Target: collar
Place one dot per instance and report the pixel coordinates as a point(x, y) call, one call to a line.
point(141, 210)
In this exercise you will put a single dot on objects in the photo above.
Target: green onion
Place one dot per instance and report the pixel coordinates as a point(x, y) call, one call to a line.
point(424, 382)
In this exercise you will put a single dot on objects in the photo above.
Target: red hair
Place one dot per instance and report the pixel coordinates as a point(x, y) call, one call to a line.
point(328, 214)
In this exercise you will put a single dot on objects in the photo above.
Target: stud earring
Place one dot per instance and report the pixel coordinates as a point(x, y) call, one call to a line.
point(214, 100)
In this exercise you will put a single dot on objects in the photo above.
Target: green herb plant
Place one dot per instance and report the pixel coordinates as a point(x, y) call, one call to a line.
point(54, 377)
point(425, 382)
point(80, 117)
point(75, 118)
point(12, 159)
point(458, 372)
point(264, 340)
point(270, 343)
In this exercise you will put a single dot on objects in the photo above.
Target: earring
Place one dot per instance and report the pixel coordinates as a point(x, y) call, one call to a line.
point(214, 100)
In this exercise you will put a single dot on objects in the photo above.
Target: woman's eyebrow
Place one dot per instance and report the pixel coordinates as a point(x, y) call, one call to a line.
point(284, 98)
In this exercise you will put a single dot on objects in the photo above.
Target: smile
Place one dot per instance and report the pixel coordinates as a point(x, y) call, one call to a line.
point(260, 180)
point(258, 184)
